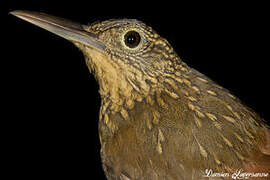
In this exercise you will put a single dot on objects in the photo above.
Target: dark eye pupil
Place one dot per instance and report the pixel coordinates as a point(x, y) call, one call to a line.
point(132, 39)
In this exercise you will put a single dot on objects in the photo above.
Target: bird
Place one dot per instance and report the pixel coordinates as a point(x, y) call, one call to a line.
point(159, 118)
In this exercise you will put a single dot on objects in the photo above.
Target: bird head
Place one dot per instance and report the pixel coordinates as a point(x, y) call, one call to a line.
point(125, 55)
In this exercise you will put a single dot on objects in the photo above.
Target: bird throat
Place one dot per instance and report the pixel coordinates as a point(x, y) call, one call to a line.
point(120, 88)
point(116, 82)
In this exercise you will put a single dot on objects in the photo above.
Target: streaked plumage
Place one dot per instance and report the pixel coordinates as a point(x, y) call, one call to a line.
point(159, 118)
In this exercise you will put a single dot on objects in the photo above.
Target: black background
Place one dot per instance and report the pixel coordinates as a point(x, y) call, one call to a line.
point(51, 101)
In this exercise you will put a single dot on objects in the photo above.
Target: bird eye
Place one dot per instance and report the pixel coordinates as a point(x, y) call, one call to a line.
point(132, 39)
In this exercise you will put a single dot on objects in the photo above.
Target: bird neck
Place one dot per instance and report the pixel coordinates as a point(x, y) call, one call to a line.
point(121, 93)
point(122, 86)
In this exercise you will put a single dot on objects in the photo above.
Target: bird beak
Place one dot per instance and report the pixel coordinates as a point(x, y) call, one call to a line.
point(67, 29)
